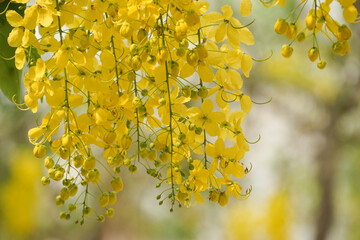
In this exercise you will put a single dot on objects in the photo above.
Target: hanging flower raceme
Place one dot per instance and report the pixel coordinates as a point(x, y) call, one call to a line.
point(317, 20)
point(151, 83)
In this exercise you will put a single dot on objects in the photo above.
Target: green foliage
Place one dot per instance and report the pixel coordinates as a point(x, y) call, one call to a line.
point(10, 77)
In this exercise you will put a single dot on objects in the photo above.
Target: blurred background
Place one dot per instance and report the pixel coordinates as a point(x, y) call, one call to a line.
point(306, 167)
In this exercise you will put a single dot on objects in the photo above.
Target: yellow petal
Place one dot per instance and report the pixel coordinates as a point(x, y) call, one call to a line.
point(221, 99)
point(201, 5)
point(220, 32)
point(207, 106)
point(75, 100)
point(21, 1)
point(107, 59)
point(31, 17)
point(187, 70)
point(217, 116)
point(45, 17)
point(205, 72)
point(14, 19)
point(246, 103)
point(20, 58)
point(220, 76)
point(198, 197)
point(40, 69)
point(15, 37)
point(246, 64)
point(235, 79)
point(244, 33)
point(234, 58)
point(245, 7)
point(212, 128)
point(213, 167)
point(282, 3)
point(213, 17)
point(350, 14)
point(79, 57)
point(193, 112)
point(233, 36)
point(236, 170)
point(26, 38)
point(227, 11)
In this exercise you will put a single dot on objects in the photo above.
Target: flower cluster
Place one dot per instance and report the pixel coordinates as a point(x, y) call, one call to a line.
point(135, 78)
point(318, 20)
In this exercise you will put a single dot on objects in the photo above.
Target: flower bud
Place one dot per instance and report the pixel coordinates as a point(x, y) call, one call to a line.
point(89, 163)
point(64, 153)
point(66, 141)
point(117, 184)
point(59, 201)
point(35, 133)
point(291, 32)
point(141, 34)
point(104, 199)
point(194, 94)
point(49, 162)
point(223, 199)
point(101, 218)
point(192, 58)
point(321, 64)
point(132, 169)
point(73, 188)
point(126, 142)
point(344, 33)
point(78, 161)
point(39, 150)
point(184, 43)
point(110, 212)
point(186, 91)
point(126, 30)
point(64, 193)
point(86, 210)
point(181, 29)
point(198, 130)
point(300, 37)
point(214, 195)
point(133, 49)
point(281, 26)
point(152, 155)
point(286, 51)
point(310, 22)
point(162, 101)
point(174, 68)
point(135, 62)
point(164, 157)
point(112, 198)
point(192, 126)
point(162, 55)
point(313, 54)
point(192, 18)
point(72, 207)
point(151, 59)
point(109, 137)
point(203, 92)
point(202, 52)
point(180, 52)
point(45, 180)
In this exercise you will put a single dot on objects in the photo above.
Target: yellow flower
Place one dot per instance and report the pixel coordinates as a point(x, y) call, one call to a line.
point(230, 27)
point(206, 118)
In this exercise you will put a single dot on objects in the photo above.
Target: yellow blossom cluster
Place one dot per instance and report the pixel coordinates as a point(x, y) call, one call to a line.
point(148, 81)
point(318, 20)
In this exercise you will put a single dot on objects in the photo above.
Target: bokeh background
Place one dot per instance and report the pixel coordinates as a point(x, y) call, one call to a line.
point(306, 167)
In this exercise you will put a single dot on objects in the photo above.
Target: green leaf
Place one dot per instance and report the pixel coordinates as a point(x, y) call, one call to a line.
point(10, 77)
